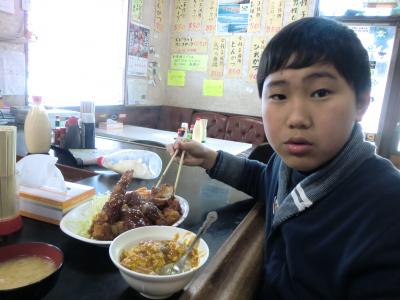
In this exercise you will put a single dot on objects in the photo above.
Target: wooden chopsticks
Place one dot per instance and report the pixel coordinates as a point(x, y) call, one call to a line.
point(179, 171)
point(166, 169)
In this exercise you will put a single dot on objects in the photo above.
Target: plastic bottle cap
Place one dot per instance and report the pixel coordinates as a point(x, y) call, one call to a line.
point(100, 161)
point(37, 99)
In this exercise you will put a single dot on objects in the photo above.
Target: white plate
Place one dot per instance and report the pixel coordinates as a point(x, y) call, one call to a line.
point(78, 220)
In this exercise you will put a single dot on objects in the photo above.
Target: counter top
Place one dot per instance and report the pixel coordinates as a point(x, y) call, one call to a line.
point(88, 272)
point(136, 133)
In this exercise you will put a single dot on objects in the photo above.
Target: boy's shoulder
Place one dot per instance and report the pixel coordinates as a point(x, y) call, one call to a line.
point(377, 182)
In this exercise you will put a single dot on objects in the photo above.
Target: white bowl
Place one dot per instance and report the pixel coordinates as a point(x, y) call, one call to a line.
point(155, 286)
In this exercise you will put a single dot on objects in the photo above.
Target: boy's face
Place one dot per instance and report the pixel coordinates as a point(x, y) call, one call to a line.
point(309, 114)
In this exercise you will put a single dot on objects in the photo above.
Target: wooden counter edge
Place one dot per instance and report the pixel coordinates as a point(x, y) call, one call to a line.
point(234, 271)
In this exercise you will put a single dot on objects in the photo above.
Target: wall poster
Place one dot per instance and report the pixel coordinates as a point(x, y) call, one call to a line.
point(136, 90)
point(138, 49)
point(233, 16)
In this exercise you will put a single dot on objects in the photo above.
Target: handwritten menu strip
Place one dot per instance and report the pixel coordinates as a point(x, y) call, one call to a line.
point(275, 15)
point(180, 13)
point(176, 78)
point(298, 9)
point(136, 11)
point(213, 87)
point(235, 56)
point(159, 15)
point(210, 16)
point(255, 16)
point(189, 45)
point(217, 56)
point(257, 47)
point(196, 15)
point(189, 62)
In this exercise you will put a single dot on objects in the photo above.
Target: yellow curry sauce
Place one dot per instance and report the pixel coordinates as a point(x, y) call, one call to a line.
point(149, 257)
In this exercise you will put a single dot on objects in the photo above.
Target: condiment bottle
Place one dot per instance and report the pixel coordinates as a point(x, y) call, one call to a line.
point(197, 134)
point(189, 132)
point(57, 122)
point(73, 134)
point(37, 128)
point(185, 128)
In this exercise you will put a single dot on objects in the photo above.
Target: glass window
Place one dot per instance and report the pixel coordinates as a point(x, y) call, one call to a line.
point(358, 8)
point(78, 51)
point(379, 41)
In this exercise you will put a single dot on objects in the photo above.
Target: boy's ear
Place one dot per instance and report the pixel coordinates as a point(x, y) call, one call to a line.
point(362, 105)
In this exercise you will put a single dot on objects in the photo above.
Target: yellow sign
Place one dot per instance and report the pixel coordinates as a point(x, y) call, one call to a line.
point(257, 47)
point(210, 16)
point(213, 87)
point(217, 56)
point(189, 62)
point(159, 16)
point(136, 12)
point(180, 12)
point(189, 45)
point(255, 16)
point(235, 56)
point(176, 78)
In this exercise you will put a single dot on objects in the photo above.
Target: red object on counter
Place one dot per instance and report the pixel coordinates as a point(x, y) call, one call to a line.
point(71, 121)
point(9, 226)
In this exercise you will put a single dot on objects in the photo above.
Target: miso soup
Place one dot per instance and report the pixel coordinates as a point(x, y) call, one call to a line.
point(21, 271)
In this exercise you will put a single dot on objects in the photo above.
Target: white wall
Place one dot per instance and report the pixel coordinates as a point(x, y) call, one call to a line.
point(11, 32)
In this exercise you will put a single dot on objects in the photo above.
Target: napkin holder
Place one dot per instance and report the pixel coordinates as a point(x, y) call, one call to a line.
point(50, 206)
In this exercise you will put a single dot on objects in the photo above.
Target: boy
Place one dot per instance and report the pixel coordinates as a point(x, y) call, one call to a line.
point(332, 205)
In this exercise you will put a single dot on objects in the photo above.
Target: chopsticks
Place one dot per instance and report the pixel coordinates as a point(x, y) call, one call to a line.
point(166, 169)
point(179, 171)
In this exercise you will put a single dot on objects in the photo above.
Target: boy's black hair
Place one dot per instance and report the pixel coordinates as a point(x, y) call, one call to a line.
point(317, 40)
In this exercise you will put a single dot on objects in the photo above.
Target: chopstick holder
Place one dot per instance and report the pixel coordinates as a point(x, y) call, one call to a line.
point(166, 168)
point(179, 171)
point(8, 155)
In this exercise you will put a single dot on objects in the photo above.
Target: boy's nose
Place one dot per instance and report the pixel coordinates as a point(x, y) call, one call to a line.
point(298, 115)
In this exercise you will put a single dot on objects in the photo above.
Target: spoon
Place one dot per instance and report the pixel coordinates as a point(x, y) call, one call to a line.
point(177, 267)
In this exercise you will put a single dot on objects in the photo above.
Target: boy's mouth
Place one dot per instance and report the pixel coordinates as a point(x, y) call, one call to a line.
point(298, 146)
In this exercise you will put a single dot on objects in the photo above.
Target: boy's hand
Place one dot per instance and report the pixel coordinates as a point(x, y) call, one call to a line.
point(196, 154)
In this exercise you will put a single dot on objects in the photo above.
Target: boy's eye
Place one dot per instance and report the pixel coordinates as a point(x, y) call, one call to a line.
point(321, 93)
point(277, 97)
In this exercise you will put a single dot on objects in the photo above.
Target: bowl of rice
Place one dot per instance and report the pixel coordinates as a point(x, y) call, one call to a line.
point(140, 253)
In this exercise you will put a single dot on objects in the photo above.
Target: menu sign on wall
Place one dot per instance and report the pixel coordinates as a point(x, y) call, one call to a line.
point(195, 15)
point(275, 14)
point(189, 62)
point(255, 16)
point(235, 56)
point(180, 12)
point(210, 15)
point(257, 47)
point(189, 45)
point(136, 11)
point(216, 67)
point(159, 16)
